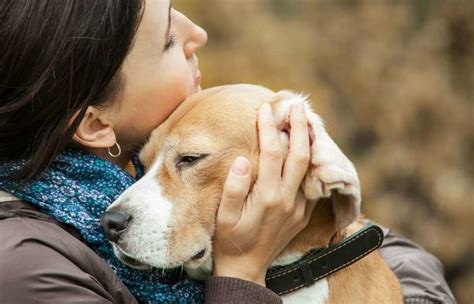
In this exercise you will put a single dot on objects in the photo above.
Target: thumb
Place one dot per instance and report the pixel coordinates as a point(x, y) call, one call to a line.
point(235, 191)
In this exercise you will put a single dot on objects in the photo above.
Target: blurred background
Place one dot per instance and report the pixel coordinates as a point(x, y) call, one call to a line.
point(394, 81)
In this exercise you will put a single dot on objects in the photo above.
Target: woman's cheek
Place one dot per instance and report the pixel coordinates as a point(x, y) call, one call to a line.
point(151, 100)
point(177, 90)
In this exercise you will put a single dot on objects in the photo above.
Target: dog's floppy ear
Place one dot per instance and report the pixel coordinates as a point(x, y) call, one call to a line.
point(330, 173)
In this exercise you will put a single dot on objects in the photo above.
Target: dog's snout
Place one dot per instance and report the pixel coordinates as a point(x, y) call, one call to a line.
point(114, 222)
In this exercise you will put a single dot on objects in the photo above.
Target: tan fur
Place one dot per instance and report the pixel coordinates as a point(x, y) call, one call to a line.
point(216, 122)
point(369, 281)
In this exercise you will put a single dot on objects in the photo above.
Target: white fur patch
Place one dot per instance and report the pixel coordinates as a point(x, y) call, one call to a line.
point(147, 234)
point(318, 293)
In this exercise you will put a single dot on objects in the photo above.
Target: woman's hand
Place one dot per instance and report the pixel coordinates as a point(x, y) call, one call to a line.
point(253, 228)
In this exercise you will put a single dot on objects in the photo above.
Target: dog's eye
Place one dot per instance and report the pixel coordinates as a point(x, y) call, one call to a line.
point(189, 159)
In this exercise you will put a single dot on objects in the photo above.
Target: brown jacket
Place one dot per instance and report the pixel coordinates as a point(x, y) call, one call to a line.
point(42, 262)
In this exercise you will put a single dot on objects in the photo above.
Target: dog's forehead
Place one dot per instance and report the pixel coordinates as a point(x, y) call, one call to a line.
point(222, 103)
point(206, 116)
point(217, 109)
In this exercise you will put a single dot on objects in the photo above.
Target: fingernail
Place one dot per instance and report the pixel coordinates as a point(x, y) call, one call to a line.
point(240, 166)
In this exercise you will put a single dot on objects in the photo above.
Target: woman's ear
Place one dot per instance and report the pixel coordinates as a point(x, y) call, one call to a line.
point(94, 130)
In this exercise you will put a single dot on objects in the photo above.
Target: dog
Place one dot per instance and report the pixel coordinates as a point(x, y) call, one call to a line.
point(167, 218)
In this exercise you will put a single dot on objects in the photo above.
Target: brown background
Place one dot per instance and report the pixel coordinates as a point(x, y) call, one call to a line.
point(394, 81)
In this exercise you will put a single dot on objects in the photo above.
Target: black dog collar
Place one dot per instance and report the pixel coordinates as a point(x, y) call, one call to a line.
point(320, 263)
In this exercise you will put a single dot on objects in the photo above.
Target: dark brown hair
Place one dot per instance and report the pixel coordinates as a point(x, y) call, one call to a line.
point(57, 57)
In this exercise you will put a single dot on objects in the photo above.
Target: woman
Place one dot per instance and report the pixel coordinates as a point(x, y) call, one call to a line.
point(82, 85)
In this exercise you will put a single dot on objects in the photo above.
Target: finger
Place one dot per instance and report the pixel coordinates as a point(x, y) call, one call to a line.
point(270, 159)
point(236, 188)
point(297, 162)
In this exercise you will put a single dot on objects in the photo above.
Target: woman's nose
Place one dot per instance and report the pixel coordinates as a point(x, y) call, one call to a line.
point(196, 40)
point(114, 222)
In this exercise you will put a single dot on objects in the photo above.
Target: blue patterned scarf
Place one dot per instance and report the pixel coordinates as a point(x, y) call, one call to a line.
point(76, 189)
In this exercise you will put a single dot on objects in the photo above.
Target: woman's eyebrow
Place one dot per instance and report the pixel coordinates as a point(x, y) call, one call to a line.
point(169, 23)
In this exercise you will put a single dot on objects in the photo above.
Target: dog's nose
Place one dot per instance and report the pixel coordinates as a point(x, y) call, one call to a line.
point(114, 223)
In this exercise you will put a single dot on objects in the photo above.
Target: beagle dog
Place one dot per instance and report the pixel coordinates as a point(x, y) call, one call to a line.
point(167, 218)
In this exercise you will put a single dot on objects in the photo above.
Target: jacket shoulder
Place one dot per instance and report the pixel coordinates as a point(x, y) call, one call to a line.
point(40, 262)
point(420, 273)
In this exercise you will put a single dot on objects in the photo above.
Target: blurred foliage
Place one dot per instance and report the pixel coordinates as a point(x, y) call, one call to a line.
point(394, 81)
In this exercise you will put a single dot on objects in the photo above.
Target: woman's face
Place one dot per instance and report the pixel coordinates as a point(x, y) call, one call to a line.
point(159, 72)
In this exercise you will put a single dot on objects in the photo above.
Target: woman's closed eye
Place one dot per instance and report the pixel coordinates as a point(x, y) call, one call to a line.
point(171, 42)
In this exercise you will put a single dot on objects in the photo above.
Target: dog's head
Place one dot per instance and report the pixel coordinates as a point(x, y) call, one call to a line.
point(167, 218)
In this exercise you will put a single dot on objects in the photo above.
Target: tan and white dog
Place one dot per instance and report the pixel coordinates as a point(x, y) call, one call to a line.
point(170, 212)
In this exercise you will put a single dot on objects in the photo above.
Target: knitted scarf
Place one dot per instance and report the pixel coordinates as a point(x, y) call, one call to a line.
point(77, 189)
